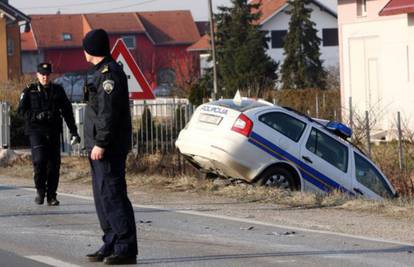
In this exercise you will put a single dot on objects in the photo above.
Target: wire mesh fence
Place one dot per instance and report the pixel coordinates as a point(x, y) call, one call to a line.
point(155, 127)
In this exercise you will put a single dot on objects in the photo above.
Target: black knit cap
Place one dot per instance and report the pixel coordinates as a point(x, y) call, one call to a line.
point(96, 43)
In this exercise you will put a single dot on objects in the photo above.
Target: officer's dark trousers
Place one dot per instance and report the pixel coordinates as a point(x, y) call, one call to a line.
point(115, 212)
point(46, 162)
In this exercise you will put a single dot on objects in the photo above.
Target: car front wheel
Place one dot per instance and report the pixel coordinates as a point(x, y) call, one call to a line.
point(277, 177)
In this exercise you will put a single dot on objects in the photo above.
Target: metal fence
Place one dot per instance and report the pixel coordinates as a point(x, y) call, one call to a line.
point(155, 126)
point(4, 125)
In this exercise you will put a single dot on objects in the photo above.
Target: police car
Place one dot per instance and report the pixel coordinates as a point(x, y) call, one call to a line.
point(263, 143)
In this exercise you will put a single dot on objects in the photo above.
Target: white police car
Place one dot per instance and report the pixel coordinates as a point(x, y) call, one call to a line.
point(260, 142)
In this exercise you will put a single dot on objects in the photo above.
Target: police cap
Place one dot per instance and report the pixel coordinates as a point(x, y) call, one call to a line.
point(44, 68)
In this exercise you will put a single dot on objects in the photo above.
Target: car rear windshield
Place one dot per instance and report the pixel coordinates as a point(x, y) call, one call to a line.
point(246, 104)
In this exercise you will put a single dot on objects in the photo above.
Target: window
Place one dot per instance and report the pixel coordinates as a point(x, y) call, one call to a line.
point(129, 41)
point(361, 8)
point(278, 39)
point(10, 47)
point(284, 124)
point(369, 176)
point(67, 36)
point(330, 37)
point(328, 149)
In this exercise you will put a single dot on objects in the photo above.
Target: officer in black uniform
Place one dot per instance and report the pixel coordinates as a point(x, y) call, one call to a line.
point(43, 104)
point(108, 141)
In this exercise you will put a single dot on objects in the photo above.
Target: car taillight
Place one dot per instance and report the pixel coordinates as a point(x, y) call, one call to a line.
point(243, 125)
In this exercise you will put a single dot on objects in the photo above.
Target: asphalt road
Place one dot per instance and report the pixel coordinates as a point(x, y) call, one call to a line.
point(32, 235)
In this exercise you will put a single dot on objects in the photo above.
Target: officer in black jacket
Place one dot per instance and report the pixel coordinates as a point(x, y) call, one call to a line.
point(43, 104)
point(108, 141)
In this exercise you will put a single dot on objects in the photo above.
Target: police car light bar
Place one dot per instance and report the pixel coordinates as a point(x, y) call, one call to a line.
point(339, 129)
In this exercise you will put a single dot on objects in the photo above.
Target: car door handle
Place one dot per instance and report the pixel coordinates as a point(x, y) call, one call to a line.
point(358, 191)
point(307, 159)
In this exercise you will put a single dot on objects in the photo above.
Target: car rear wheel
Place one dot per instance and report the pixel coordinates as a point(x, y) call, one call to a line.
point(277, 177)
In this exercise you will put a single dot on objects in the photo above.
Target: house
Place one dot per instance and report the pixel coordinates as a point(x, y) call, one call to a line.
point(10, 19)
point(157, 40)
point(376, 40)
point(275, 22)
point(202, 47)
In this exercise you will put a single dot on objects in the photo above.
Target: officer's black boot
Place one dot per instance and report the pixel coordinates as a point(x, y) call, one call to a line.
point(96, 257)
point(53, 201)
point(40, 198)
point(115, 259)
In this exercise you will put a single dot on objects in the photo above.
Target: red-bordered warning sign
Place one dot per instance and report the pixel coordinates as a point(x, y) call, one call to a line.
point(137, 84)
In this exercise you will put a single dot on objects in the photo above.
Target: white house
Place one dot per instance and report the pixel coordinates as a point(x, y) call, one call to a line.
point(376, 40)
point(275, 21)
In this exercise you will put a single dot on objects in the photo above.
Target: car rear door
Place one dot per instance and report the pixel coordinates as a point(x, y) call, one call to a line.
point(324, 161)
point(279, 133)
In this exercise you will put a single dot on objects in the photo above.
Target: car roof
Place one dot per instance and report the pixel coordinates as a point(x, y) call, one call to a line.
point(244, 105)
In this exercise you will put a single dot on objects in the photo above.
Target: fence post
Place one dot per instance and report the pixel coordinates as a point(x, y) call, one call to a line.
point(4, 125)
point(400, 148)
point(368, 133)
point(317, 106)
point(351, 122)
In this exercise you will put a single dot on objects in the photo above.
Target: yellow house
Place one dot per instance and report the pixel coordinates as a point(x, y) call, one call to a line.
point(10, 58)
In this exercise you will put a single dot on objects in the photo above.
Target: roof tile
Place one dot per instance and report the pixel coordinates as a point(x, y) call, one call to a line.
point(170, 27)
point(202, 45)
point(268, 7)
point(164, 27)
point(116, 22)
point(28, 41)
point(49, 29)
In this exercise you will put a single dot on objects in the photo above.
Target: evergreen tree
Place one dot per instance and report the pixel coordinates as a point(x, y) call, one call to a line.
point(241, 50)
point(302, 67)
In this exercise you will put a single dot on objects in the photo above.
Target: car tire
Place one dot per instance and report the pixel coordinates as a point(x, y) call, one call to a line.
point(278, 177)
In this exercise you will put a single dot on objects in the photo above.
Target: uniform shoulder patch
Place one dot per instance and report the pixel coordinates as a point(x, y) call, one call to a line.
point(31, 87)
point(105, 69)
point(108, 86)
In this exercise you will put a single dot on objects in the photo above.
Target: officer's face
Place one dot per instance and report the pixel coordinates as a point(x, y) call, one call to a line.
point(88, 57)
point(43, 78)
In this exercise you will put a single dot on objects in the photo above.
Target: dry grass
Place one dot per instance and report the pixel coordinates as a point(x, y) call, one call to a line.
point(10, 91)
point(76, 170)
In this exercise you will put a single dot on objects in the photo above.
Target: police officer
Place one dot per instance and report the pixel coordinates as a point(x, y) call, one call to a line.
point(43, 104)
point(108, 141)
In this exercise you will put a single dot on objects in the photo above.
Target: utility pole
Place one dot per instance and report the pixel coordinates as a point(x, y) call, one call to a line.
point(213, 50)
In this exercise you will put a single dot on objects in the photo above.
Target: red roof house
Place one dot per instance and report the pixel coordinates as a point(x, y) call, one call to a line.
point(157, 40)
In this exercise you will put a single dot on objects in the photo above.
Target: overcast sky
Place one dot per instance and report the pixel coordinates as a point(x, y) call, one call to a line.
point(197, 7)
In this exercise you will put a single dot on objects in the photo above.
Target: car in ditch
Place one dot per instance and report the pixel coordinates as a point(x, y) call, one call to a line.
point(260, 142)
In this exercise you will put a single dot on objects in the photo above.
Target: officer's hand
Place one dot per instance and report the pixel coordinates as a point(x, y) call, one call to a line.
point(75, 139)
point(97, 153)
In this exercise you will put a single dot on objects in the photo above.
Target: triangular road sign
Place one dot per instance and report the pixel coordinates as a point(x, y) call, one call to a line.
point(137, 84)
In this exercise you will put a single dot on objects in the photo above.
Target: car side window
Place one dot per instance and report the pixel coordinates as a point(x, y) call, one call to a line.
point(328, 149)
point(369, 176)
point(284, 124)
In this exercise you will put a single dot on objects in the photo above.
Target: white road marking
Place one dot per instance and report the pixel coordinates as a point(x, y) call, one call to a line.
point(51, 261)
point(228, 218)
